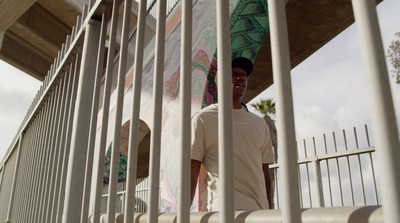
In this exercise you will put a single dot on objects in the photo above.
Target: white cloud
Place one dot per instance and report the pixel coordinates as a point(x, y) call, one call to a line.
point(17, 91)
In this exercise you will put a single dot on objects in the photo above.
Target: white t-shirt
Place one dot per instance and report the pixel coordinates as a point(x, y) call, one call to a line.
point(251, 148)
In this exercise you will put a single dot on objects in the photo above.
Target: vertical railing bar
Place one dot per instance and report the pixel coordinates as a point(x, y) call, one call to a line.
point(55, 62)
point(155, 143)
point(80, 129)
point(329, 182)
point(15, 176)
point(309, 184)
point(51, 148)
point(315, 146)
point(334, 141)
point(276, 188)
point(73, 31)
point(3, 168)
point(93, 120)
point(47, 155)
point(225, 134)
point(54, 149)
point(57, 148)
point(90, 4)
point(49, 74)
point(43, 160)
point(67, 44)
point(350, 180)
point(58, 62)
point(46, 79)
point(362, 179)
point(382, 108)
point(300, 188)
point(78, 24)
point(348, 168)
point(34, 162)
point(185, 116)
point(114, 166)
point(28, 166)
point(345, 140)
point(285, 113)
point(305, 148)
point(134, 126)
point(355, 137)
point(106, 109)
point(328, 172)
point(69, 80)
point(84, 13)
point(374, 178)
point(338, 169)
point(75, 72)
point(22, 179)
point(340, 182)
point(62, 53)
point(42, 142)
point(49, 151)
point(367, 135)
point(318, 183)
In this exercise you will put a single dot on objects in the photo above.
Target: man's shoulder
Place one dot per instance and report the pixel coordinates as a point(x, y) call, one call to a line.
point(213, 108)
point(209, 109)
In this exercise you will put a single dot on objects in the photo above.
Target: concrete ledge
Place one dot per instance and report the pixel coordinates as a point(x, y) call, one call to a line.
point(365, 214)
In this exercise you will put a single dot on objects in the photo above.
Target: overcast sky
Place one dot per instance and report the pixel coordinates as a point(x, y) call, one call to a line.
point(329, 88)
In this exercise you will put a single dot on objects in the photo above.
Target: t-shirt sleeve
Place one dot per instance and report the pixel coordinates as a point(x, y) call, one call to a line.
point(266, 150)
point(198, 138)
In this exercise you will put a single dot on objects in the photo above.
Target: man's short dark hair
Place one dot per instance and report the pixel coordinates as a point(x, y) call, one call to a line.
point(243, 63)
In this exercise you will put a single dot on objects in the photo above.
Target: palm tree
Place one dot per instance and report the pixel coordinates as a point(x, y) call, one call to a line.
point(267, 108)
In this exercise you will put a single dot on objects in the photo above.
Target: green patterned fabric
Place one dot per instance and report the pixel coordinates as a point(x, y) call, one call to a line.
point(123, 160)
point(249, 26)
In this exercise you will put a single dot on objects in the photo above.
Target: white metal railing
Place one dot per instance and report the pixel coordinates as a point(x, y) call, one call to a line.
point(321, 175)
point(344, 176)
point(57, 137)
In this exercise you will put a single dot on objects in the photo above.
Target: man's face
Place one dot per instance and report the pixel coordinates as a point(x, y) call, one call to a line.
point(239, 81)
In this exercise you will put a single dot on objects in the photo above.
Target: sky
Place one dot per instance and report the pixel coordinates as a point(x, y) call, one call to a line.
point(329, 87)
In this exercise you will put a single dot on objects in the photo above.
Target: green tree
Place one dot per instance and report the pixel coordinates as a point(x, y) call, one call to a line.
point(394, 57)
point(267, 108)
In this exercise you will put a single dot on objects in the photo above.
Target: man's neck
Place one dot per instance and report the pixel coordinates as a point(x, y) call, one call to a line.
point(237, 104)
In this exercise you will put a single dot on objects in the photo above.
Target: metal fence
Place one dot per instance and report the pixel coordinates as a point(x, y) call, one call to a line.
point(46, 174)
point(336, 174)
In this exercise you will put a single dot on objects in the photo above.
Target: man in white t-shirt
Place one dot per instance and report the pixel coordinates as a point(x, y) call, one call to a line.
point(252, 149)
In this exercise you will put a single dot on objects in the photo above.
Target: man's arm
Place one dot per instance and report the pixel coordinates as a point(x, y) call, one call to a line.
point(194, 176)
point(267, 179)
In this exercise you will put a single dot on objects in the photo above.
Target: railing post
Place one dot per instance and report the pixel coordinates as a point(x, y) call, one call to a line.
point(93, 120)
point(155, 143)
point(66, 145)
point(134, 127)
point(185, 116)
point(285, 114)
point(105, 115)
point(225, 134)
point(115, 151)
point(382, 109)
point(80, 129)
point(14, 183)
